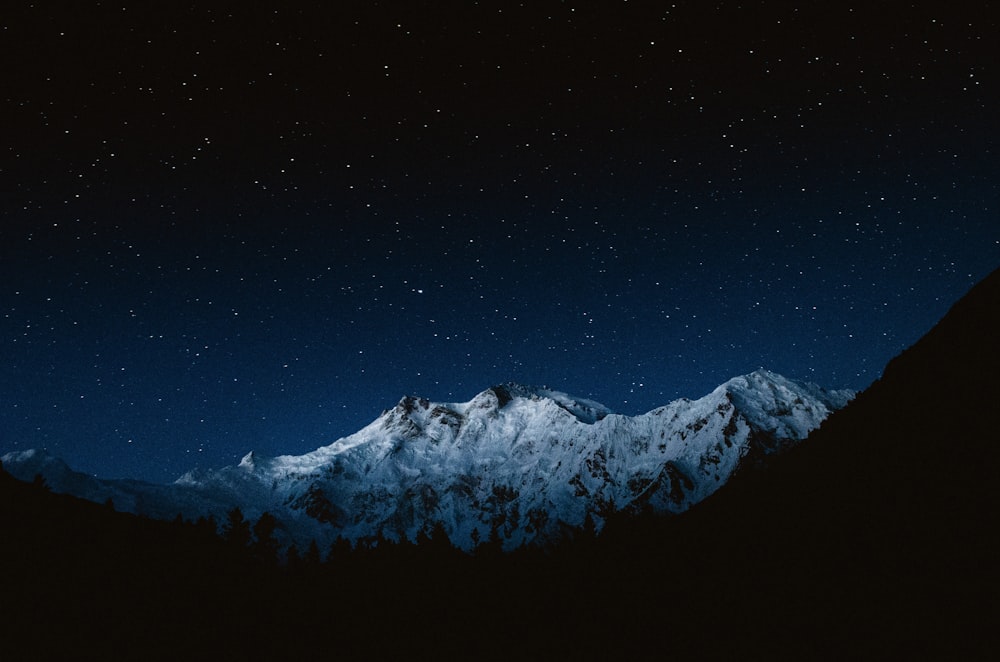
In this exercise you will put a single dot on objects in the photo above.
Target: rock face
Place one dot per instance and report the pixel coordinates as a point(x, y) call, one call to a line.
point(517, 464)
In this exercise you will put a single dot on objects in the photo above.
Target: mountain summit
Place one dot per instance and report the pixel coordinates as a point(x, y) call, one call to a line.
point(518, 464)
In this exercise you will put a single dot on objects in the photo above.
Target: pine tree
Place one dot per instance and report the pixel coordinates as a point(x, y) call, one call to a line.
point(293, 560)
point(40, 483)
point(206, 526)
point(589, 530)
point(236, 530)
point(265, 546)
point(312, 558)
point(493, 547)
point(339, 550)
point(439, 540)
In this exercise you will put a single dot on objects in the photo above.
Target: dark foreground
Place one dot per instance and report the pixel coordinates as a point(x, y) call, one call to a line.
point(874, 539)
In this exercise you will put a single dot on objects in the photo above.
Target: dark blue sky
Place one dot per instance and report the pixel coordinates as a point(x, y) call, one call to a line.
point(229, 228)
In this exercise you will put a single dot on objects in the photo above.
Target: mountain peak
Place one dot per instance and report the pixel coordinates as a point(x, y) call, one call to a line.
point(415, 410)
point(585, 410)
point(36, 460)
point(517, 462)
point(773, 401)
point(248, 461)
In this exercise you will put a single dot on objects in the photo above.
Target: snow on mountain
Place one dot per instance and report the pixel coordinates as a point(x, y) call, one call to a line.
point(516, 463)
point(152, 500)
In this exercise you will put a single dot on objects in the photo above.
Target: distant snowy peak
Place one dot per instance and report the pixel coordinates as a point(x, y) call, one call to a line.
point(419, 410)
point(785, 409)
point(516, 463)
point(415, 417)
point(36, 461)
point(586, 411)
point(791, 408)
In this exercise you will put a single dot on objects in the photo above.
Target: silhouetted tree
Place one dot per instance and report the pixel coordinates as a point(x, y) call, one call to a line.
point(339, 550)
point(493, 547)
point(589, 531)
point(265, 546)
point(207, 526)
point(440, 542)
point(312, 558)
point(40, 482)
point(293, 560)
point(236, 530)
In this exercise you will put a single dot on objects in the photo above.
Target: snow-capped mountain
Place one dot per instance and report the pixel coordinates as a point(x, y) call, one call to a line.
point(516, 463)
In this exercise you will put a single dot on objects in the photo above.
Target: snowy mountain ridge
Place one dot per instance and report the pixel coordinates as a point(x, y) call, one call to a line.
point(514, 463)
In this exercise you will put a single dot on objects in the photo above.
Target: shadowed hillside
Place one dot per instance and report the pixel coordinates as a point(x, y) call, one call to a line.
point(877, 535)
point(873, 539)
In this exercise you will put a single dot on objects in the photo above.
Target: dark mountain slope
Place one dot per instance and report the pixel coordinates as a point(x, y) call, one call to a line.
point(80, 581)
point(873, 539)
point(877, 536)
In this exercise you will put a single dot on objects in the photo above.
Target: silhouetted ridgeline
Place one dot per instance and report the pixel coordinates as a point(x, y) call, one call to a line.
point(877, 535)
point(873, 539)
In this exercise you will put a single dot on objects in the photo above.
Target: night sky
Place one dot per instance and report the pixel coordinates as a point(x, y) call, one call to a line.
point(235, 228)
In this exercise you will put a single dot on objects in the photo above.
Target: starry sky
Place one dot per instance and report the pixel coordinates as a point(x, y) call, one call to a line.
point(251, 226)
